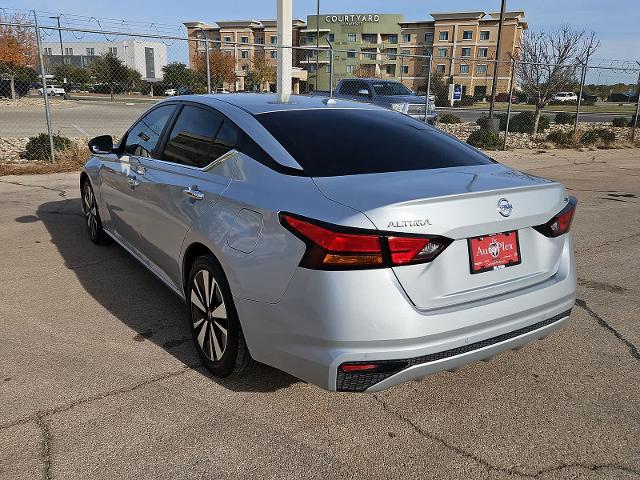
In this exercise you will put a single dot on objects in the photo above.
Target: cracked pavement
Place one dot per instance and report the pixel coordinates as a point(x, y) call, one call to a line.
point(98, 378)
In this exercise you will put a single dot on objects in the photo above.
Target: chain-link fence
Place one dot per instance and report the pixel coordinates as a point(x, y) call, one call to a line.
point(75, 83)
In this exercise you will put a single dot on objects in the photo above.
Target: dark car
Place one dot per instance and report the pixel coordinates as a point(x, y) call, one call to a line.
point(106, 88)
point(624, 97)
point(504, 97)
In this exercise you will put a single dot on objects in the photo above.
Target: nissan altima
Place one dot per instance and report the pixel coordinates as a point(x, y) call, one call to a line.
point(351, 246)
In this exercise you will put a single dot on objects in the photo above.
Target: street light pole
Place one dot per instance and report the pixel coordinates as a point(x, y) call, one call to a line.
point(497, 60)
point(317, 42)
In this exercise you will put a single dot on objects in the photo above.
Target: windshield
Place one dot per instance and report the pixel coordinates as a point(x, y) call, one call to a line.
point(391, 88)
point(333, 142)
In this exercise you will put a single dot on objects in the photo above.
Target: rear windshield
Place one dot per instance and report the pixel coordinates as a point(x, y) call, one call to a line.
point(335, 142)
point(391, 88)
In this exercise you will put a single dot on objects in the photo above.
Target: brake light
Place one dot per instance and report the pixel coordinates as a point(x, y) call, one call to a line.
point(330, 247)
point(561, 223)
point(367, 367)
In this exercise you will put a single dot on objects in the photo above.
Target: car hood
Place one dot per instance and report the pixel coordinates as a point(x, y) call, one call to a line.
point(401, 98)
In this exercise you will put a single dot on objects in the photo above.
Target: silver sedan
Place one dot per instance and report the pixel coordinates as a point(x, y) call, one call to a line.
point(351, 246)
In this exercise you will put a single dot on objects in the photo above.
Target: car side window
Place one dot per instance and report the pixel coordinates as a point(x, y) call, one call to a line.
point(226, 139)
point(347, 87)
point(143, 138)
point(191, 139)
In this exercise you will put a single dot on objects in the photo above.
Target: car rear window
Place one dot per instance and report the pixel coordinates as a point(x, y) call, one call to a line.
point(336, 142)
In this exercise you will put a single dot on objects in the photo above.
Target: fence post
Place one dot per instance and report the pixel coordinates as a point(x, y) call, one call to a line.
point(426, 94)
point(206, 56)
point(635, 119)
point(47, 113)
point(583, 76)
point(330, 69)
point(511, 82)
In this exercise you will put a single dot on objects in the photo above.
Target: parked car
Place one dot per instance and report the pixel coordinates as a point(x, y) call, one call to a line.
point(221, 90)
point(178, 91)
point(386, 93)
point(625, 97)
point(565, 97)
point(169, 92)
point(504, 97)
point(347, 244)
point(20, 87)
point(589, 98)
point(53, 90)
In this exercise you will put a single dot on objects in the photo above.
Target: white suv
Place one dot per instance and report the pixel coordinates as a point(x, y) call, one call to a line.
point(565, 97)
point(53, 90)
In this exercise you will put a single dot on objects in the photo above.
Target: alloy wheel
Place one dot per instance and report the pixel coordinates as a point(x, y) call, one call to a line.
point(209, 315)
point(90, 211)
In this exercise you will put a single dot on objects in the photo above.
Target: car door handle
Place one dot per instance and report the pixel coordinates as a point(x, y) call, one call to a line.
point(133, 182)
point(193, 193)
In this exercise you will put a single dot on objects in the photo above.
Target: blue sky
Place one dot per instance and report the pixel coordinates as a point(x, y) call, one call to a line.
point(617, 23)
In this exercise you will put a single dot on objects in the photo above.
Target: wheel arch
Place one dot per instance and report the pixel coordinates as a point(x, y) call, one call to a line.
point(193, 251)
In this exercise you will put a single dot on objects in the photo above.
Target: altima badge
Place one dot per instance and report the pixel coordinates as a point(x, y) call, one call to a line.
point(504, 207)
point(409, 223)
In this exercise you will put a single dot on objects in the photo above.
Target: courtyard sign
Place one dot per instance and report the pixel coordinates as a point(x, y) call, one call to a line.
point(352, 19)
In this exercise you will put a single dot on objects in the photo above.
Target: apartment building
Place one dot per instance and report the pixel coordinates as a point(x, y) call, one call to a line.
point(244, 40)
point(463, 45)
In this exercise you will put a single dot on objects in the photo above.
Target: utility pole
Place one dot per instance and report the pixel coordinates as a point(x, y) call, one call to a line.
point(317, 42)
point(60, 37)
point(497, 60)
point(285, 20)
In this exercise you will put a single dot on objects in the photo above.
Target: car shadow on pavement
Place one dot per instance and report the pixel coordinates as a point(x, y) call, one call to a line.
point(135, 296)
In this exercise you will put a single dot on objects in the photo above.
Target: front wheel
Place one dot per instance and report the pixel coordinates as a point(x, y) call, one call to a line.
point(214, 322)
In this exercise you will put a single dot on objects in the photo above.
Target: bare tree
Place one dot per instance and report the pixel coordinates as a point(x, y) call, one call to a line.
point(549, 61)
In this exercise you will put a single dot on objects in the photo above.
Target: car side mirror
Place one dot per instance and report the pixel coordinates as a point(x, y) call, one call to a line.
point(363, 92)
point(102, 144)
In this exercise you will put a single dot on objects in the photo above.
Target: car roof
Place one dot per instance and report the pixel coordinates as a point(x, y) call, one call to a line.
point(257, 103)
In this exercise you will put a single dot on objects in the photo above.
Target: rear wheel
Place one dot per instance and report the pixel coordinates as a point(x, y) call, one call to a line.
point(215, 328)
point(92, 216)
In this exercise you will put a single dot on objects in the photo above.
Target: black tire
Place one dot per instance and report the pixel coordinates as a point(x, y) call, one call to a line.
point(215, 328)
point(92, 216)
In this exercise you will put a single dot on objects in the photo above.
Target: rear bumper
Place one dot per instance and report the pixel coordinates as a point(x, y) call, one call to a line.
point(327, 318)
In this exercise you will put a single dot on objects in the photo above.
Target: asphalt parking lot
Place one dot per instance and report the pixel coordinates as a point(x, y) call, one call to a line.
point(98, 378)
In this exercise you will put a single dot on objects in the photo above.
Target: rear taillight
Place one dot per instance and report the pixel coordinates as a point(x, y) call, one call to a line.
point(330, 247)
point(561, 223)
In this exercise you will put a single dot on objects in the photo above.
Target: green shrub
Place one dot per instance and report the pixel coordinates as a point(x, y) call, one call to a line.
point(591, 137)
point(620, 122)
point(560, 138)
point(523, 122)
point(38, 148)
point(449, 118)
point(607, 136)
point(466, 101)
point(486, 139)
point(564, 118)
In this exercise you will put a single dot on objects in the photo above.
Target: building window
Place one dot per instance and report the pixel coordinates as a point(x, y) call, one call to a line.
point(90, 51)
point(425, 68)
point(68, 51)
point(405, 69)
point(392, 38)
point(327, 68)
point(351, 37)
point(405, 52)
point(369, 38)
point(442, 52)
point(484, 35)
point(274, 54)
point(260, 39)
point(311, 37)
point(440, 68)
point(467, 35)
point(391, 70)
point(351, 68)
point(428, 37)
point(113, 51)
point(311, 68)
point(244, 54)
point(149, 61)
point(244, 39)
point(406, 37)
point(332, 37)
point(466, 51)
point(427, 52)
point(244, 68)
point(47, 51)
point(227, 39)
point(464, 69)
point(274, 40)
point(483, 52)
point(444, 36)
point(351, 54)
point(481, 69)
